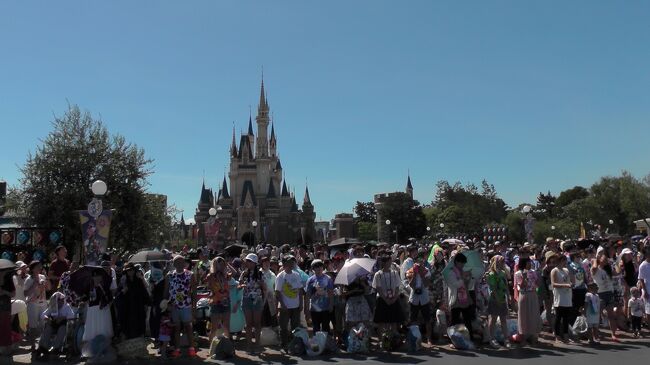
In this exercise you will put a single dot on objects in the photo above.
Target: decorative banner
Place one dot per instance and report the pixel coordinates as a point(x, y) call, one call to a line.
point(94, 234)
point(7, 238)
point(212, 227)
point(23, 237)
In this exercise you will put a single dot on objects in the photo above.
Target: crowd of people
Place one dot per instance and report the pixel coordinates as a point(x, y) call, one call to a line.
point(501, 293)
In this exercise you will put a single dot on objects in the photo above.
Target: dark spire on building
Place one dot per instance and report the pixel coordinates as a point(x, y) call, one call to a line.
point(224, 189)
point(205, 195)
point(278, 166)
point(250, 126)
point(409, 186)
point(307, 200)
point(271, 192)
point(233, 146)
point(285, 191)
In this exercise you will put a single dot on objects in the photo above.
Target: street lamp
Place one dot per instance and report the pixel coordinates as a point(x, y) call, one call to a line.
point(528, 225)
point(254, 232)
point(611, 221)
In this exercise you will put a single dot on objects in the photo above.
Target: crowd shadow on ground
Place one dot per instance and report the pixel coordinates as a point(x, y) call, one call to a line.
point(273, 356)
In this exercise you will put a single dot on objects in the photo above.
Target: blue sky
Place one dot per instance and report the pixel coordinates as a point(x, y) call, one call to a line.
point(531, 96)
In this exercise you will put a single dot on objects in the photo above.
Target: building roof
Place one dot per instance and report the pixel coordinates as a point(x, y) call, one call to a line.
point(224, 189)
point(285, 191)
point(271, 192)
point(247, 191)
point(244, 143)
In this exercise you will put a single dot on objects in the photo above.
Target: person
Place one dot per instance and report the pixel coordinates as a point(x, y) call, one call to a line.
point(218, 283)
point(180, 290)
point(386, 282)
point(55, 319)
point(416, 279)
point(545, 289)
point(591, 311)
point(320, 290)
point(528, 319)
point(357, 309)
point(252, 282)
point(409, 260)
point(7, 291)
point(288, 289)
point(19, 280)
point(135, 298)
point(562, 282)
point(98, 318)
point(635, 309)
point(497, 280)
point(270, 311)
point(458, 288)
point(155, 278)
point(36, 285)
point(166, 328)
point(58, 266)
point(602, 272)
point(629, 269)
point(644, 282)
point(578, 272)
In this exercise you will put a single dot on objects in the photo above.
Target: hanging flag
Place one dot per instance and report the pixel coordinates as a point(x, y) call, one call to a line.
point(583, 233)
point(95, 229)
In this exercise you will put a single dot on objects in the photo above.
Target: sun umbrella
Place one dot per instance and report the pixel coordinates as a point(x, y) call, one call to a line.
point(6, 264)
point(585, 243)
point(474, 264)
point(148, 255)
point(354, 269)
point(453, 241)
point(235, 250)
point(81, 281)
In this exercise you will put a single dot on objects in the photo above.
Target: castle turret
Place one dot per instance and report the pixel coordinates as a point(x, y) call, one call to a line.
point(409, 186)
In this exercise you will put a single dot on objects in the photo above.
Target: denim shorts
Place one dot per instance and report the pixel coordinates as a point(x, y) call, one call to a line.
point(181, 315)
point(219, 308)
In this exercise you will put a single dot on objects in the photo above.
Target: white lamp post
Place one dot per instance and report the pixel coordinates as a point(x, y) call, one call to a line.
point(254, 232)
point(99, 188)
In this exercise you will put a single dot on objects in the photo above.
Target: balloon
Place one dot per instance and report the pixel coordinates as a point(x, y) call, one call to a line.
point(23, 237)
point(7, 238)
point(55, 236)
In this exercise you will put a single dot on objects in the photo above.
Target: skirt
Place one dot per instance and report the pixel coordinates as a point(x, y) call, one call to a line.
point(385, 313)
point(528, 319)
point(357, 310)
point(34, 311)
point(98, 322)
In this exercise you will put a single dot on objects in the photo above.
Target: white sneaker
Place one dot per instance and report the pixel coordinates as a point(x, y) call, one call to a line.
point(495, 344)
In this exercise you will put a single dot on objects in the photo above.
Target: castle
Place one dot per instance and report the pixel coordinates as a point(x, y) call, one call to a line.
point(258, 207)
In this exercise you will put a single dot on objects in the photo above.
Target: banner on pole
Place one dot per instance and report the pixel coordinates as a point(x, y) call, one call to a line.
point(94, 233)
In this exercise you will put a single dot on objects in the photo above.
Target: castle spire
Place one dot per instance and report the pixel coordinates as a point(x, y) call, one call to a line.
point(285, 191)
point(250, 125)
point(233, 146)
point(409, 186)
point(263, 102)
point(224, 189)
point(307, 200)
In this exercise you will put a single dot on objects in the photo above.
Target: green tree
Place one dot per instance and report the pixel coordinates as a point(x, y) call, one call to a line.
point(406, 217)
point(463, 209)
point(367, 231)
point(570, 195)
point(79, 150)
point(545, 205)
point(366, 212)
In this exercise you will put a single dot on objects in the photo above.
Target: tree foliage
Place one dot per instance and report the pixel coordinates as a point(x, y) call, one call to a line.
point(366, 212)
point(465, 209)
point(57, 176)
point(406, 217)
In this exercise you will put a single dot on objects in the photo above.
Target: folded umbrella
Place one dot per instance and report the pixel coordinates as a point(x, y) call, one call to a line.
point(354, 269)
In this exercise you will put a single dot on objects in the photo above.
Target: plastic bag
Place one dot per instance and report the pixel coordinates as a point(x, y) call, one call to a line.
point(316, 345)
point(441, 322)
point(543, 317)
point(512, 329)
point(268, 337)
point(358, 339)
point(459, 336)
point(579, 326)
point(414, 338)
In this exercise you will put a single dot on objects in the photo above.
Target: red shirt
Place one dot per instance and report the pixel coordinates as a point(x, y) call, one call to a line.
point(57, 268)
